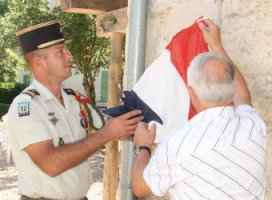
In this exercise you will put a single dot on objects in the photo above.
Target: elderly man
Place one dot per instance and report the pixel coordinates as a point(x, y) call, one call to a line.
point(218, 154)
point(47, 124)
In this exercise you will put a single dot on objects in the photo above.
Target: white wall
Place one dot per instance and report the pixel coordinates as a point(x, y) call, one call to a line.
point(76, 80)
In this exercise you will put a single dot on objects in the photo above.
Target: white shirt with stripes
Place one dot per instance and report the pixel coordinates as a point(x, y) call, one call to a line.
point(218, 155)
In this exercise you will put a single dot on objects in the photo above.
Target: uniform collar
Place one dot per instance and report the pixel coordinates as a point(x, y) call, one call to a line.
point(216, 112)
point(44, 92)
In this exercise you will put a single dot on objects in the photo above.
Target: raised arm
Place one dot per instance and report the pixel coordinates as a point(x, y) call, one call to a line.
point(211, 33)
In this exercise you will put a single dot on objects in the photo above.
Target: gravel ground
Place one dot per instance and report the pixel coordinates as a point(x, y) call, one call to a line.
point(9, 175)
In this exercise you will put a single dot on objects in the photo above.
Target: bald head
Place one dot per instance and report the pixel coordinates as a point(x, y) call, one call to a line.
point(212, 78)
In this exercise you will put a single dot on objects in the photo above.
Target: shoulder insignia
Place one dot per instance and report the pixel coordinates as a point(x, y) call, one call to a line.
point(23, 109)
point(69, 91)
point(31, 92)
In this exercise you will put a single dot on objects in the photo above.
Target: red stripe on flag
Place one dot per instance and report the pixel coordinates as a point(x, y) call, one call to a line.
point(184, 46)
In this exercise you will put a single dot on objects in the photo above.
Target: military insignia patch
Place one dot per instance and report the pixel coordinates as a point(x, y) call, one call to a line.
point(23, 109)
point(53, 118)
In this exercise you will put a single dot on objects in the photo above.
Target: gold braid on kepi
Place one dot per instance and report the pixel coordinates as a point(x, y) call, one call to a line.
point(40, 36)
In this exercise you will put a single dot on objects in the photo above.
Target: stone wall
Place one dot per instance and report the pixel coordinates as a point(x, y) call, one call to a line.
point(247, 30)
point(246, 33)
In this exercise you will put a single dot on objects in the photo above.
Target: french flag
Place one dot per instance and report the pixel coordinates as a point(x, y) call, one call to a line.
point(163, 86)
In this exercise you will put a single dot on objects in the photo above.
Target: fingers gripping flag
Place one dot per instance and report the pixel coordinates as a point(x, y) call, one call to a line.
point(162, 87)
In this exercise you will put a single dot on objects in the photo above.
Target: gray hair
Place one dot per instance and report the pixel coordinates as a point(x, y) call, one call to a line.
point(212, 78)
point(29, 56)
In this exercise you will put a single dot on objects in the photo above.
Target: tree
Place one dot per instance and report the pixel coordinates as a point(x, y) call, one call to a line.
point(90, 53)
point(17, 14)
point(3, 7)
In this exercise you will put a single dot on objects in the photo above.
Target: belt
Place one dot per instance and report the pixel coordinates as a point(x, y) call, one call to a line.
point(23, 197)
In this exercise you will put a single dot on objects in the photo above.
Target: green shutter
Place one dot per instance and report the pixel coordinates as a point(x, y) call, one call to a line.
point(104, 86)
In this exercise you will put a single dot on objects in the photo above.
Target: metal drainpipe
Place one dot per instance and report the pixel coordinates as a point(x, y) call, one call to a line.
point(135, 66)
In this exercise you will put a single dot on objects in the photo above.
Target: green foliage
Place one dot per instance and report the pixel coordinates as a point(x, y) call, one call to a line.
point(90, 53)
point(7, 85)
point(3, 110)
point(86, 47)
point(17, 15)
point(3, 7)
point(8, 91)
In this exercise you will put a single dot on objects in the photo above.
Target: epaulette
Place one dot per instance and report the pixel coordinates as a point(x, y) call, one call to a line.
point(69, 91)
point(31, 92)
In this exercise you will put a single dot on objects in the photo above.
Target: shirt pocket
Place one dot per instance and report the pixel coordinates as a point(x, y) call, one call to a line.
point(59, 128)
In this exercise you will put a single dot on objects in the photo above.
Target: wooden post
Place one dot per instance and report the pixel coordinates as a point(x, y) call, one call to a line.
point(92, 6)
point(110, 179)
point(111, 22)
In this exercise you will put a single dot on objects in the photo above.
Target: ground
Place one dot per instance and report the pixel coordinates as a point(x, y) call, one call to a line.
point(9, 175)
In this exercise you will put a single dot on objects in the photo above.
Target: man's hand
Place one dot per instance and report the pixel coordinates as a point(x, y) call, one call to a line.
point(55, 160)
point(211, 33)
point(123, 126)
point(143, 136)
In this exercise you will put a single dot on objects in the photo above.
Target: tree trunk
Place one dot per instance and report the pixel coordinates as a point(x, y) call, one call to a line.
point(88, 84)
point(111, 156)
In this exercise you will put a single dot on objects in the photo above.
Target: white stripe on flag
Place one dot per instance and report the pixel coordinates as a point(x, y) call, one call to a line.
point(162, 89)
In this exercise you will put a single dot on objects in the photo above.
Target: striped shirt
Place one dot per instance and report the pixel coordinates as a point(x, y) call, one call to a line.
point(218, 155)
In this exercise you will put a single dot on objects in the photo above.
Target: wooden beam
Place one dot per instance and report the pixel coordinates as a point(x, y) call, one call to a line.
point(92, 6)
point(110, 22)
point(111, 161)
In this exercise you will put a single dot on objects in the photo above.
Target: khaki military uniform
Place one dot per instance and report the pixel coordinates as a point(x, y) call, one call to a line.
point(38, 117)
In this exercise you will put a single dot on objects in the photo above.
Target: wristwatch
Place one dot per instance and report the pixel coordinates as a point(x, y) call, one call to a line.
point(143, 148)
